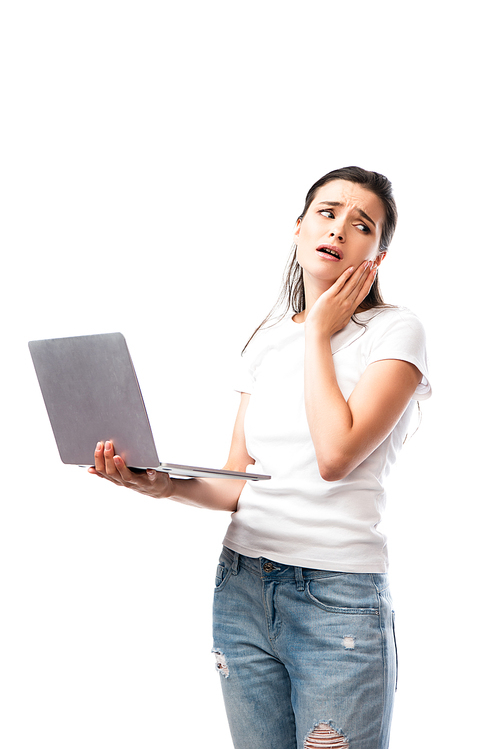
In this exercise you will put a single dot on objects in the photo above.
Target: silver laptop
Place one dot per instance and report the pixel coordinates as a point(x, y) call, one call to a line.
point(92, 394)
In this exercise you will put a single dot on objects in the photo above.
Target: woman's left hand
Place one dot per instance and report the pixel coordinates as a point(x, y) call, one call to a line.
point(334, 308)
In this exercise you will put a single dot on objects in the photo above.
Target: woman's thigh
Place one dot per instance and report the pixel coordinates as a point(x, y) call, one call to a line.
point(337, 643)
point(255, 684)
point(305, 659)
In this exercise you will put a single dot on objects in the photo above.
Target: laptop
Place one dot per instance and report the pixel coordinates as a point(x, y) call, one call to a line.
point(92, 394)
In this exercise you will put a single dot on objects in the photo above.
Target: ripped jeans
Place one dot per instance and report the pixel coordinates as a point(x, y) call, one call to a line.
point(307, 658)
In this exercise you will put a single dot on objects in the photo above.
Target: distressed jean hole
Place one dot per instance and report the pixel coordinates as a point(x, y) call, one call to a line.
point(349, 642)
point(220, 663)
point(325, 737)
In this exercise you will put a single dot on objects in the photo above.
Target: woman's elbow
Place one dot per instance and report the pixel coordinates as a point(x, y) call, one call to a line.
point(334, 470)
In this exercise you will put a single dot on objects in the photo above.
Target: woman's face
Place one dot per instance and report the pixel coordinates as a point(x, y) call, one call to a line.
point(341, 228)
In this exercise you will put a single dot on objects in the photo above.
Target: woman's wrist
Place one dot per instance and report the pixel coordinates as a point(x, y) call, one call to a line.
point(315, 332)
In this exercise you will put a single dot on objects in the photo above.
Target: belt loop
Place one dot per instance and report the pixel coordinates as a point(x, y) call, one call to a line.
point(299, 578)
point(234, 566)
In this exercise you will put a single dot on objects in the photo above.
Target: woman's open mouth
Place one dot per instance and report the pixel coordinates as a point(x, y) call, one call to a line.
point(330, 252)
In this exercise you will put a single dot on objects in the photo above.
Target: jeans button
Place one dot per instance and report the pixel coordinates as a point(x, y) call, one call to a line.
point(268, 567)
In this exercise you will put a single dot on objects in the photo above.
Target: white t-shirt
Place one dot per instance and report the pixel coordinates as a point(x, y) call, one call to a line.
point(296, 517)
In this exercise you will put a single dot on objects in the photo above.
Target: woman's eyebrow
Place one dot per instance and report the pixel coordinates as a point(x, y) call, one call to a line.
point(333, 204)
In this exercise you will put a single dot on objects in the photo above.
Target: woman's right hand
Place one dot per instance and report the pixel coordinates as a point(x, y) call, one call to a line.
point(112, 467)
point(334, 308)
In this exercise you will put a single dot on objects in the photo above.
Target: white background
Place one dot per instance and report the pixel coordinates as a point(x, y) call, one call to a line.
point(154, 158)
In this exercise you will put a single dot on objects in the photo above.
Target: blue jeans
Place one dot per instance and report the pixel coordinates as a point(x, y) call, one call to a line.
point(306, 657)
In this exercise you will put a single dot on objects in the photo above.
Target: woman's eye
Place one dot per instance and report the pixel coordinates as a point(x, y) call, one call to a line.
point(363, 228)
point(328, 214)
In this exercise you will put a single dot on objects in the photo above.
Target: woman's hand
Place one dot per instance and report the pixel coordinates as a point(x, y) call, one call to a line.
point(334, 308)
point(112, 467)
point(212, 493)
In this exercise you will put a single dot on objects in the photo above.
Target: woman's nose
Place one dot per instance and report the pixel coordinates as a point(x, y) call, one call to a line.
point(338, 233)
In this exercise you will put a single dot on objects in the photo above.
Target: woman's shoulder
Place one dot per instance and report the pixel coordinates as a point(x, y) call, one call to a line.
point(386, 317)
point(272, 334)
point(397, 333)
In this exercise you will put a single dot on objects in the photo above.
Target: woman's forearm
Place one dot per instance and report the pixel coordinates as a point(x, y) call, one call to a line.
point(213, 494)
point(328, 414)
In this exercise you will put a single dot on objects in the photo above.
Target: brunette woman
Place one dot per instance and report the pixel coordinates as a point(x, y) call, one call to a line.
point(303, 621)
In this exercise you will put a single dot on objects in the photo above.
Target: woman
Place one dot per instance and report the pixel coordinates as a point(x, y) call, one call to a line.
point(303, 621)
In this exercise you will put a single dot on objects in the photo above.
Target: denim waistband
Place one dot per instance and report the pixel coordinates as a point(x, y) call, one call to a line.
point(269, 569)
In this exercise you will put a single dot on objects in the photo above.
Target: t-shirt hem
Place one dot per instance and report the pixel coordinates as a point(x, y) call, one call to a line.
point(330, 565)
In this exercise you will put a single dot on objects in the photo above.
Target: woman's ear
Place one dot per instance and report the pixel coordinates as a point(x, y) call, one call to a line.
point(297, 230)
point(380, 257)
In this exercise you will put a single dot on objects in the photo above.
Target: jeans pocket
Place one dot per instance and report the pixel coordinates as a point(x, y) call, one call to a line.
point(219, 575)
point(222, 575)
point(328, 595)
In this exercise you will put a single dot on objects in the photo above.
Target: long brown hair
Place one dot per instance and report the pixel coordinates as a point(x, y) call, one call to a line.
point(292, 295)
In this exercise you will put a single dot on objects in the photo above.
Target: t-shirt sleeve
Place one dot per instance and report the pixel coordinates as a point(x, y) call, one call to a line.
point(243, 373)
point(243, 379)
point(401, 335)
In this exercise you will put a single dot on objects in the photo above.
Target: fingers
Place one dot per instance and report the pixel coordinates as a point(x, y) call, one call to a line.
point(353, 286)
point(354, 282)
point(109, 465)
point(365, 279)
point(113, 468)
point(363, 272)
point(123, 473)
point(362, 289)
point(332, 311)
point(99, 457)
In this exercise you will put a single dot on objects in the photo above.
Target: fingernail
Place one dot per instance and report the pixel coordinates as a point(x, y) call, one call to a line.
point(108, 446)
point(98, 446)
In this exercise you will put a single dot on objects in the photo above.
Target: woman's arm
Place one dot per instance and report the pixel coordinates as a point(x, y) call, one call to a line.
point(214, 494)
point(344, 432)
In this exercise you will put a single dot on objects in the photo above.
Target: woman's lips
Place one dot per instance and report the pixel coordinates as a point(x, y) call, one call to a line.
point(330, 252)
